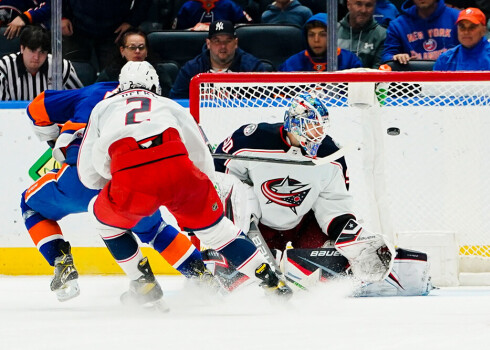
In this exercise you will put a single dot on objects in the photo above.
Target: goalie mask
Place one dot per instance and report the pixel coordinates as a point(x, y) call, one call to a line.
point(139, 75)
point(307, 119)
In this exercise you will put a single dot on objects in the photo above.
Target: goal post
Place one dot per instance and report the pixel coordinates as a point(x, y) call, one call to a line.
point(419, 174)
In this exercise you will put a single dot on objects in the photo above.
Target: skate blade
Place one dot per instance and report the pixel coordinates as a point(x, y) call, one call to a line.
point(158, 306)
point(69, 291)
point(161, 306)
point(132, 303)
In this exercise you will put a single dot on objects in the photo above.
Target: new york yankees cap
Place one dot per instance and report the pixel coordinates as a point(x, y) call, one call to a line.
point(221, 27)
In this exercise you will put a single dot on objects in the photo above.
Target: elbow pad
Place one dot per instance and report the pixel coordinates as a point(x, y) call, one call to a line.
point(47, 133)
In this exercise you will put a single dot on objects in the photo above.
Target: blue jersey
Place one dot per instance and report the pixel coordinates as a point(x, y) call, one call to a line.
point(461, 58)
point(202, 11)
point(422, 38)
point(59, 106)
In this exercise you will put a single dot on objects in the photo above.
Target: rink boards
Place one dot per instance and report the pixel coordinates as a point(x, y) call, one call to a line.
point(18, 256)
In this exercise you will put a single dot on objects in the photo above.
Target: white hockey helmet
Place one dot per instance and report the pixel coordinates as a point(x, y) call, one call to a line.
point(307, 119)
point(139, 75)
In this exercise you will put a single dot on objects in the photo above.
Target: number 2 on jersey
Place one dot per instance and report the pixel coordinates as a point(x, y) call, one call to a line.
point(145, 106)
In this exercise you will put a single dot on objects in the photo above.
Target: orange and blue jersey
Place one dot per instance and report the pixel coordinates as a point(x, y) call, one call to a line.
point(60, 193)
point(423, 38)
point(70, 109)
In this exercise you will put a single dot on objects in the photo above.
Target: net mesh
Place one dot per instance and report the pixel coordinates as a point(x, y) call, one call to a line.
point(429, 178)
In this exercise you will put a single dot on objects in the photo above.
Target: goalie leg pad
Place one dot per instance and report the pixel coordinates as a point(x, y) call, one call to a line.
point(370, 255)
point(224, 271)
point(409, 277)
point(304, 268)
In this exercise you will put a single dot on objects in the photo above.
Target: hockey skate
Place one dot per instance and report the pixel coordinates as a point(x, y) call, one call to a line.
point(145, 291)
point(370, 256)
point(64, 282)
point(203, 277)
point(272, 283)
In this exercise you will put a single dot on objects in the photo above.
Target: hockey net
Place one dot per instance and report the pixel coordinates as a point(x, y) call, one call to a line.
point(428, 181)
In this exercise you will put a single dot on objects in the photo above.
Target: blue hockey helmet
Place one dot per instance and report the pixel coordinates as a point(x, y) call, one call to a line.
point(307, 119)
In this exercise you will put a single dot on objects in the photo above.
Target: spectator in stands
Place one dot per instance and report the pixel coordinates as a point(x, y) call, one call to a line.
point(198, 14)
point(133, 46)
point(473, 52)
point(423, 31)
point(222, 56)
point(286, 12)
point(314, 57)
point(96, 24)
point(10, 9)
point(385, 12)
point(361, 34)
point(38, 13)
point(23, 75)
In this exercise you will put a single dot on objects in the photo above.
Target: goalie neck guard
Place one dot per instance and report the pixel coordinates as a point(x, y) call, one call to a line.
point(139, 75)
point(307, 119)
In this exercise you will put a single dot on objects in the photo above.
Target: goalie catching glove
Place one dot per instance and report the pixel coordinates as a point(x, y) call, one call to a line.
point(370, 256)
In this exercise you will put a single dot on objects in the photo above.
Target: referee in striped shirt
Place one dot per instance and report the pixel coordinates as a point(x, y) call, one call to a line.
point(25, 74)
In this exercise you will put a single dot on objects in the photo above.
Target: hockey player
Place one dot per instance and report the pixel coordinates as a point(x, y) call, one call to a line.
point(304, 205)
point(309, 205)
point(144, 151)
point(60, 193)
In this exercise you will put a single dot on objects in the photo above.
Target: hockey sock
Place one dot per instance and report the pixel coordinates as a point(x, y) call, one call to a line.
point(176, 249)
point(242, 253)
point(148, 227)
point(46, 234)
point(125, 250)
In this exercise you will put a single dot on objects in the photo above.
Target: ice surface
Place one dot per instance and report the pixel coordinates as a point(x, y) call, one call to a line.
point(32, 318)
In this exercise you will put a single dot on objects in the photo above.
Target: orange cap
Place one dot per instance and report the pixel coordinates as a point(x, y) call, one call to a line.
point(473, 15)
point(385, 67)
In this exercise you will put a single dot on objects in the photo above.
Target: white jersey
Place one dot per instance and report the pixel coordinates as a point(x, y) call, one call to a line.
point(285, 192)
point(140, 114)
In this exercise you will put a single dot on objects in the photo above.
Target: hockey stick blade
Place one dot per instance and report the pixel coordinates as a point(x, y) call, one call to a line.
point(316, 161)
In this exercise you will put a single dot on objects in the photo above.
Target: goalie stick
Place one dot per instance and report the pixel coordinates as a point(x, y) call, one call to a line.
point(314, 161)
point(256, 236)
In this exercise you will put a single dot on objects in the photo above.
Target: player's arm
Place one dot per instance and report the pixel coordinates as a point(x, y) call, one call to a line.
point(233, 145)
point(44, 128)
point(68, 143)
point(328, 147)
point(50, 110)
point(87, 172)
point(333, 208)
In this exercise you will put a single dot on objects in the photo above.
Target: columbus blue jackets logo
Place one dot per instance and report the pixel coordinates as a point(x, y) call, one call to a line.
point(249, 129)
point(285, 192)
